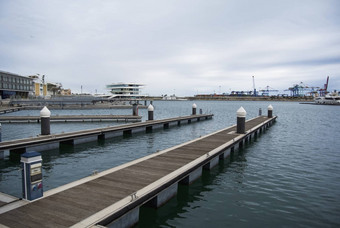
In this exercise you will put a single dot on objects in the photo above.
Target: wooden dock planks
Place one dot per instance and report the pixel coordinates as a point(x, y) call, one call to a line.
point(71, 206)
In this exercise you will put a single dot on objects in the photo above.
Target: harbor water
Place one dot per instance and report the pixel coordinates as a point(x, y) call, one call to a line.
point(287, 177)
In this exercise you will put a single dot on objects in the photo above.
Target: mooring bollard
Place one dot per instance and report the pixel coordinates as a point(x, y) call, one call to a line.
point(194, 106)
point(270, 111)
point(150, 112)
point(241, 121)
point(201, 111)
point(45, 116)
point(135, 109)
point(260, 112)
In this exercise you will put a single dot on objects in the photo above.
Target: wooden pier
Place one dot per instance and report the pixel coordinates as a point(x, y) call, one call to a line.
point(114, 196)
point(46, 142)
point(71, 118)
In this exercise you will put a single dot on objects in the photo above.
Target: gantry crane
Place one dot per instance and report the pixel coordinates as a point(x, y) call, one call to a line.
point(265, 92)
point(297, 90)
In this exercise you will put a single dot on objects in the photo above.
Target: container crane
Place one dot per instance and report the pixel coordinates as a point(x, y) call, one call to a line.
point(297, 90)
point(265, 92)
point(323, 91)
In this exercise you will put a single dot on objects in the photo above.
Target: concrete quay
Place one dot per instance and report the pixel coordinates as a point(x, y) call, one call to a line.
point(113, 197)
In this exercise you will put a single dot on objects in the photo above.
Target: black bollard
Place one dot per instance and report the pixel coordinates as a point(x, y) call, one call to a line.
point(150, 112)
point(135, 109)
point(194, 107)
point(241, 121)
point(260, 112)
point(45, 116)
point(270, 111)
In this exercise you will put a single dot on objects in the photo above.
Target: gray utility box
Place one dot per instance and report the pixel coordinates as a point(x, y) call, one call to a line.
point(32, 175)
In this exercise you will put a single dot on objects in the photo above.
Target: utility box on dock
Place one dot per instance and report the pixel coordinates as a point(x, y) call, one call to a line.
point(32, 185)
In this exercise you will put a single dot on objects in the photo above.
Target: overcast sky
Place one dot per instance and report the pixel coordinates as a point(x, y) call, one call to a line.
point(174, 46)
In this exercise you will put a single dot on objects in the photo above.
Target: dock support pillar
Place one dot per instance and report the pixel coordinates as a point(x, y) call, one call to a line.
point(241, 120)
point(192, 177)
point(270, 111)
point(129, 219)
point(194, 107)
point(163, 196)
point(45, 116)
point(212, 163)
point(150, 112)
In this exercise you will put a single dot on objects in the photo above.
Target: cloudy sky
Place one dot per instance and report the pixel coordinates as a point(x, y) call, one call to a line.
point(174, 46)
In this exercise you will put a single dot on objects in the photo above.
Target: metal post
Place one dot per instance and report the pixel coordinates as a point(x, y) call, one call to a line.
point(260, 112)
point(241, 121)
point(45, 116)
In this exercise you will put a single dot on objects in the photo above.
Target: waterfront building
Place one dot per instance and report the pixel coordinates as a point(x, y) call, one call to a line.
point(125, 90)
point(14, 85)
point(39, 85)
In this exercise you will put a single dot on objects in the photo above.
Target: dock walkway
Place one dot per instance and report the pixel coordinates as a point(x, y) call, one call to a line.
point(70, 118)
point(53, 141)
point(110, 195)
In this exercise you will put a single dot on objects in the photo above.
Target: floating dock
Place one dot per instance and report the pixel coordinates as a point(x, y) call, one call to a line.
point(113, 197)
point(71, 118)
point(8, 110)
point(47, 142)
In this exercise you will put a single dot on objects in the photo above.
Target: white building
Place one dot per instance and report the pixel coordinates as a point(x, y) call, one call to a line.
point(125, 90)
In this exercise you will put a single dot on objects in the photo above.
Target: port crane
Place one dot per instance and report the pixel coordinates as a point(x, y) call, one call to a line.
point(265, 92)
point(297, 90)
point(323, 91)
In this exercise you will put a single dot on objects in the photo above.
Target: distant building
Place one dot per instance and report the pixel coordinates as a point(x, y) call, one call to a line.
point(14, 85)
point(53, 89)
point(125, 90)
point(39, 86)
point(65, 92)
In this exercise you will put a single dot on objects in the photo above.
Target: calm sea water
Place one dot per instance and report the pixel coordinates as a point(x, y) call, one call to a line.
point(287, 177)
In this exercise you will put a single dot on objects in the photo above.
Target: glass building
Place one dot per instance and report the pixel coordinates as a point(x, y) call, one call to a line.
point(14, 85)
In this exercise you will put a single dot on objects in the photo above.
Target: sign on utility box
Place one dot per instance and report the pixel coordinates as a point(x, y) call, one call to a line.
point(32, 175)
